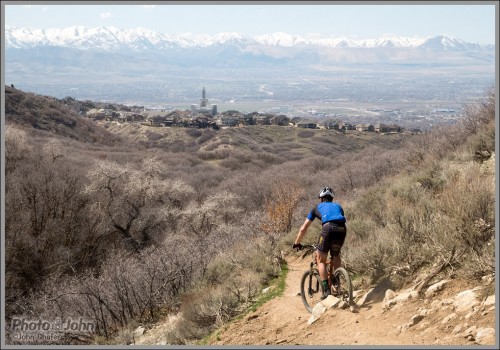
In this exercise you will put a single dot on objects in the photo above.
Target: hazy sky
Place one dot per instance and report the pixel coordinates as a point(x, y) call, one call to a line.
point(474, 22)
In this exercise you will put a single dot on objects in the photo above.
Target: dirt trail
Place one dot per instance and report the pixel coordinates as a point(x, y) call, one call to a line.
point(283, 320)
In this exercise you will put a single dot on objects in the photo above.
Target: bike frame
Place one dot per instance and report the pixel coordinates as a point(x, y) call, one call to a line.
point(310, 284)
point(314, 267)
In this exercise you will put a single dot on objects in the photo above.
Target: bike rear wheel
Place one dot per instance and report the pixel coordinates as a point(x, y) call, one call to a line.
point(311, 289)
point(345, 286)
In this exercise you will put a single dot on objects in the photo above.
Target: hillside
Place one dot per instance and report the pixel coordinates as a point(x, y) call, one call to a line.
point(129, 225)
point(285, 142)
point(48, 114)
point(452, 309)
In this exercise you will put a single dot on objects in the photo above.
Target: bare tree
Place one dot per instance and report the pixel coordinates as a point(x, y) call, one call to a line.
point(17, 147)
point(137, 203)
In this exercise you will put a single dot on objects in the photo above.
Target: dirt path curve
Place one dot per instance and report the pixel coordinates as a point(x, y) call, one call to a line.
point(283, 320)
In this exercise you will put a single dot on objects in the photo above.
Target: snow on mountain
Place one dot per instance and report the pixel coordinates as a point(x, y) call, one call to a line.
point(446, 42)
point(107, 38)
point(227, 38)
point(281, 39)
point(112, 38)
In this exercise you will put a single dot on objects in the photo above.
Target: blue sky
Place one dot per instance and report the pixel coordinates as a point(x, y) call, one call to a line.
point(471, 22)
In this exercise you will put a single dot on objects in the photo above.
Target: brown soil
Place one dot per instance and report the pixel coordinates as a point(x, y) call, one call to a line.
point(283, 320)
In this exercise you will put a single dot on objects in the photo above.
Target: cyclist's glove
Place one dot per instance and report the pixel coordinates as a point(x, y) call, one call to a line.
point(297, 246)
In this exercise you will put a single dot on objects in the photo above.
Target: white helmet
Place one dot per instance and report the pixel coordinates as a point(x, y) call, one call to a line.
point(325, 192)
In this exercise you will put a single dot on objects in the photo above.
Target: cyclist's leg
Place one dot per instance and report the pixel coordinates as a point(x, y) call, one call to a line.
point(321, 259)
point(337, 241)
point(321, 255)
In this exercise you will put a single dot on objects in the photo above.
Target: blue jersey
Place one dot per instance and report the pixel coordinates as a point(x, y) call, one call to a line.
point(327, 211)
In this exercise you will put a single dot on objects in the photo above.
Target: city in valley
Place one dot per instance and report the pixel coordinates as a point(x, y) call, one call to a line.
point(416, 85)
point(411, 98)
point(337, 114)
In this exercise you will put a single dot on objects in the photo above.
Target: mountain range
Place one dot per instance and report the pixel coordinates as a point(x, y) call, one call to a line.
point(112, 38)
point(106, 49)
point(110, 63)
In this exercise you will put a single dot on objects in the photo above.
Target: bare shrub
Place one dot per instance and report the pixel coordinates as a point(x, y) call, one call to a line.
point(482, 141)
point(419, 147)
point(153, 136)
point(267, 159)
point(249, 189)
point(373, 205)
point(202, 312)
point(239, 279)
point(280, 206)
point(372, 257)
point(206, 182)
point(232, 163)
point(217, 208)
point(47, 219)
point(431, 177)
point(195, 133)
point(478, 114)
point(469, 203)
point(204, 155)
point(347, 178)
point(207, 135)
point(16, 147)
point(180, 146)
point(127, 289)
point(232, 281)
point(305, 134)
point(137, 204)
point(210, 226)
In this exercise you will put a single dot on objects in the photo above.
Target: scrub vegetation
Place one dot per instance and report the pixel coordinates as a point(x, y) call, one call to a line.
point(128, 224)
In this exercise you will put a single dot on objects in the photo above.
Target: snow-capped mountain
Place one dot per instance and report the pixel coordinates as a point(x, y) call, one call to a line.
point(112, 38)
point(282, 39)
point(114, 59)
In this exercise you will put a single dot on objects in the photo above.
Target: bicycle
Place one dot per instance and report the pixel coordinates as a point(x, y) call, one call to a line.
point(311, 288)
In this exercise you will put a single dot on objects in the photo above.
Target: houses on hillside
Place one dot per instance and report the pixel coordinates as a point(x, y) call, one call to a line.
point(231, 118)
point(206, 116)
point(386, 128)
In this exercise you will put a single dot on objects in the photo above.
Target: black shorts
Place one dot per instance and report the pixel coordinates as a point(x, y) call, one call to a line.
point(332, 238)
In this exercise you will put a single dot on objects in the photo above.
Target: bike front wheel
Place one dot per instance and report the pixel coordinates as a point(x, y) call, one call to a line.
point(344, 288)
point(311, 289)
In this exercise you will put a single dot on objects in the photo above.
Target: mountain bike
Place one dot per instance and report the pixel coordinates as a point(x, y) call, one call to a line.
point(311, 288)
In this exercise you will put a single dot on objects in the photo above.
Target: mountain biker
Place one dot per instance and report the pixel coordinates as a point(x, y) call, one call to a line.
point(332, 236)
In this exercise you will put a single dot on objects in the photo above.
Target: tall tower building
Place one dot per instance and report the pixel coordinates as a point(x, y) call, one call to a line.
point(204, 107)
point(204, 101)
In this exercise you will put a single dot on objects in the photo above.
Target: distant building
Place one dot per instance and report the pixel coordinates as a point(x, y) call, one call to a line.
point(365, 127)
point(307, 125)
point(204, 108)
point(381, 128)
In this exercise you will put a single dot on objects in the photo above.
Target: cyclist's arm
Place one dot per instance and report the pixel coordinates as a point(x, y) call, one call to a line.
point(303, 230)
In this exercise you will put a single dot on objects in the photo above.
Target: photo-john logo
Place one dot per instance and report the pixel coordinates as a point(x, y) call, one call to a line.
point(21, 324)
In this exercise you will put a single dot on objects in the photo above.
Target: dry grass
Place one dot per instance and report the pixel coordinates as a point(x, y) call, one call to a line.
point(174, 212)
